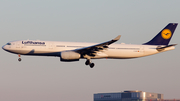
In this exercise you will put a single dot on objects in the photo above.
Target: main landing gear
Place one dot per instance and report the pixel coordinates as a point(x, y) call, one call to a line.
point(88, 62)
point(19, 57)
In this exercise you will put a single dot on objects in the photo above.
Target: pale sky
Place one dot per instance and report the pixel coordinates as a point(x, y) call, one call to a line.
point(38, 78)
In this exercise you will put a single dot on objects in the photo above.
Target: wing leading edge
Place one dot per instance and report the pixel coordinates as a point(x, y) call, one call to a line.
point(91, 50)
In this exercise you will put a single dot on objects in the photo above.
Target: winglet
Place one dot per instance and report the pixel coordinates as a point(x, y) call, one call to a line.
point(117, 38)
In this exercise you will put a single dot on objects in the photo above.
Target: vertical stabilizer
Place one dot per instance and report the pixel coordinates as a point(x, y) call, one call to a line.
point(164, 36)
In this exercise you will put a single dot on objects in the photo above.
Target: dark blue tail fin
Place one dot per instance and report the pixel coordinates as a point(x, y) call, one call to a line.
point(164, 36)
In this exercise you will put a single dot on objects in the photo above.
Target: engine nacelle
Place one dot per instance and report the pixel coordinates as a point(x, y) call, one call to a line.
point(69, 56)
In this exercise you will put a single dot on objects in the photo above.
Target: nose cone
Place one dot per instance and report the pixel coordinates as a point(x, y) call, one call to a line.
point(4, 47)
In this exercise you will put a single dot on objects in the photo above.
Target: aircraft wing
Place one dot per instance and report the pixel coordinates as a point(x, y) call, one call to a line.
point(91, 50)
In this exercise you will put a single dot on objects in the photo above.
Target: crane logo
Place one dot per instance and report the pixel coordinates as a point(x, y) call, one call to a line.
point(166, 33)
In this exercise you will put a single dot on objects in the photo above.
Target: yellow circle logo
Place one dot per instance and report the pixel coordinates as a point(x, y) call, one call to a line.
point(166, 33)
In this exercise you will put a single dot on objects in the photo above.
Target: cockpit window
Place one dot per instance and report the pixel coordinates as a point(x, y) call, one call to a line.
point(8, 43)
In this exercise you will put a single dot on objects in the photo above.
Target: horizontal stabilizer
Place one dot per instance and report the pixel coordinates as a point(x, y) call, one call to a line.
point(162, 48)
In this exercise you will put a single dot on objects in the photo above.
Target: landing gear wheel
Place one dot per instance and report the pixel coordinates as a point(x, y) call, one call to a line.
point(19, 59)
point(91, 65)
point(87, 62)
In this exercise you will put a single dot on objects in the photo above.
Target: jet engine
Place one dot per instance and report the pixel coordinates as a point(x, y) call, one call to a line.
point(69, 56)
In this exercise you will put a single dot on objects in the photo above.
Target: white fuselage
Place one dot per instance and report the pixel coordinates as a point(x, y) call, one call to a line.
point(53, 48)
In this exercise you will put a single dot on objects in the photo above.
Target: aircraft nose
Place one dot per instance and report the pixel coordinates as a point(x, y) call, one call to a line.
point(3, 47)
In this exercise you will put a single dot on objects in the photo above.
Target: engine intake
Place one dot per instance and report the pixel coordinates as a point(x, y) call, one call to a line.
point(69, 56)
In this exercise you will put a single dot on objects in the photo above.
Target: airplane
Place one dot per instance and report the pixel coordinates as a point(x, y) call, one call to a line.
point(74, 51)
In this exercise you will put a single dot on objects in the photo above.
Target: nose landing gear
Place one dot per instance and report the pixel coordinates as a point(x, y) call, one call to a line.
point(19, 59)
point(88, 62)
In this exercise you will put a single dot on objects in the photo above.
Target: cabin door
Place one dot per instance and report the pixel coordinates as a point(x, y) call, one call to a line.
point(51, 46)
point(18, 45)
point(141, 49)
